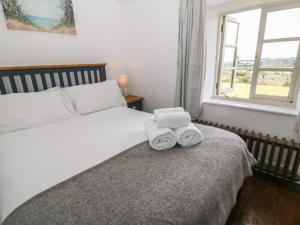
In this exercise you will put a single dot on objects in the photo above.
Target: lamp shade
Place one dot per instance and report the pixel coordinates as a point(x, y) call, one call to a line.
point(123, 81)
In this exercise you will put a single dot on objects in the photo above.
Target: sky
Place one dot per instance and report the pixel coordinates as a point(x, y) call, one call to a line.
point(42, 8)
point(279, 24)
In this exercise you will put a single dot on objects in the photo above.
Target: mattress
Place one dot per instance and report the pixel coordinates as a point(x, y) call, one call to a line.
point(36, 159)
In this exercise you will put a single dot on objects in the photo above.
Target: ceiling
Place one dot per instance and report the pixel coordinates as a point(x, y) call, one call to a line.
point(209, 2)
point(216, 2)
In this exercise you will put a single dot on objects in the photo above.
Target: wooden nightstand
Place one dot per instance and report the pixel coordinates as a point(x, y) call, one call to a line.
point(134, 102)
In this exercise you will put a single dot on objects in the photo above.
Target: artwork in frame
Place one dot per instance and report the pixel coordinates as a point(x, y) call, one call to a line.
point(55, 16)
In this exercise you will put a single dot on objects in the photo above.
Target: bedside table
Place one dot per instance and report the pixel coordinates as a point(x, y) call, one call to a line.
point(134, 102)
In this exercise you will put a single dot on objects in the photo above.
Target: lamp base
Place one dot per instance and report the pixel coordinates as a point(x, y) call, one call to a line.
point(124, 92)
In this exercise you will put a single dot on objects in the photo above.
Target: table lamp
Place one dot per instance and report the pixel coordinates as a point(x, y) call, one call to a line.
point(123, 83)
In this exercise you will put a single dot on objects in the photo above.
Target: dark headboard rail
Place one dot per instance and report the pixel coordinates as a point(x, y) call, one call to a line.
point(39, 78)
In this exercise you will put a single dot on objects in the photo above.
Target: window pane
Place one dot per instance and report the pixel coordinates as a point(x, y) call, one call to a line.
point(226, 79)
point(229, 57)
point(231, 33)
point(246, 50)
point(274, 83)
point(282, 24)
point(279, 54)
point(242, 84)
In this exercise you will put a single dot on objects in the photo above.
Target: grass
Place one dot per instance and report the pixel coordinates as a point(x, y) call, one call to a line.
point(14, 24)
point(242, 90)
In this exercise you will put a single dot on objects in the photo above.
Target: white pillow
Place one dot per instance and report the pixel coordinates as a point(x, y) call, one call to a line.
point(95, 97)
point(65, 98)
point(26, 110)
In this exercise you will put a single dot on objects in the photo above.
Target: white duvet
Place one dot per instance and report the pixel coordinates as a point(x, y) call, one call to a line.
point(36, 159)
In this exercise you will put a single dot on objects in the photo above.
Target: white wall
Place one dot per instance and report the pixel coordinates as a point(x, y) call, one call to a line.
point(265, 122)
point(150, 29)
point(98, 39)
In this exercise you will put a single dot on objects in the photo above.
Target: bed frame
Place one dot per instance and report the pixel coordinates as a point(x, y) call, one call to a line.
point(39, 78)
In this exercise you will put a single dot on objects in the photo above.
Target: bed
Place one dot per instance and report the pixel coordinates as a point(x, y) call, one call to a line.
point(99, 168)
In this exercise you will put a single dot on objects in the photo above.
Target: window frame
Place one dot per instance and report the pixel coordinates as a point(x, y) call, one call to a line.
point(225, 20)
point(289, 101)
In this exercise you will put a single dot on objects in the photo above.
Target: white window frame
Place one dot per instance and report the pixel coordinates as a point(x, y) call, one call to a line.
point(225, 21)
point(257, 98)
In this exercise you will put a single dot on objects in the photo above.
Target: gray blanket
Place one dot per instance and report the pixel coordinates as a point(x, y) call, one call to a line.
point(196, 185)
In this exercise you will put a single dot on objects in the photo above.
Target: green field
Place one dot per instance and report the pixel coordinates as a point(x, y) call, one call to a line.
point(242, 90)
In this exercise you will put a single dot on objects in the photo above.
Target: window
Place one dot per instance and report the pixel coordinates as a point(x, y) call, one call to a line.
point(259, 54)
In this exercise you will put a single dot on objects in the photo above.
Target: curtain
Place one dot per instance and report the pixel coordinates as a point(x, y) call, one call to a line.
point(191, 55)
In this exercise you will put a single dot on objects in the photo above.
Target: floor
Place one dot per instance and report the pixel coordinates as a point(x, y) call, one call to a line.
point(265, 202)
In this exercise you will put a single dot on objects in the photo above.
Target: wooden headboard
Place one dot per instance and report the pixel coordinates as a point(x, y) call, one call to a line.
point(39, 78)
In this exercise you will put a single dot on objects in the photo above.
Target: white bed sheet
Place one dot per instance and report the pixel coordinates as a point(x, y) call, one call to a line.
point(36, 159)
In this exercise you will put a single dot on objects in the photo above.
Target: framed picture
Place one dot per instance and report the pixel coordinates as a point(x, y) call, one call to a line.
point(55, 16)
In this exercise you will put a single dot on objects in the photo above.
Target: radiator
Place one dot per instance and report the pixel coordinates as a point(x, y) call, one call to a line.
point(279, 158)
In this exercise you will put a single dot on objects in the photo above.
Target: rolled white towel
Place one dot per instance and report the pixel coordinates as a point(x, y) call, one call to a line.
point(159, 138)
point(188, 135)
point(168, 110)
point(173, 120)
